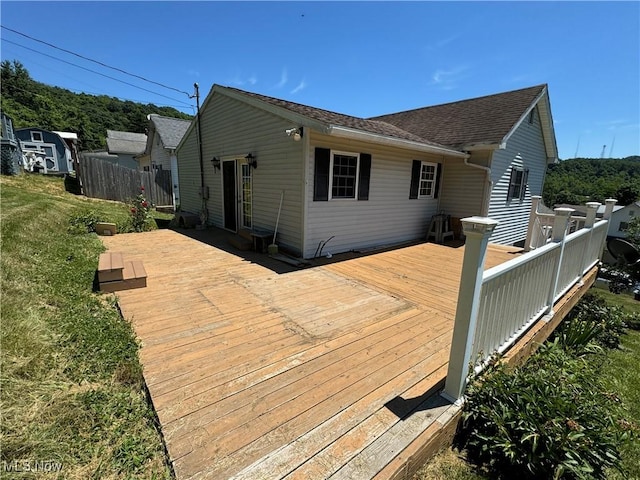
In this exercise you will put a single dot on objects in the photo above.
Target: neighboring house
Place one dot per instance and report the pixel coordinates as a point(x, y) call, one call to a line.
point(71, 139)
point(126, 145)
point(365, 182)
point(44, 151)
point(10, 147)
point(620, 218)
point(163, 136)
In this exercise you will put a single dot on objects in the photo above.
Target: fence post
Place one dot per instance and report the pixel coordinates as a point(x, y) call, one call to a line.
point(533, 216)
point(559, 232)
point(477, 231)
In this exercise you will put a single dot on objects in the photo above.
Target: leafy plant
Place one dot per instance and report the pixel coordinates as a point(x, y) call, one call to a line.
point(550, 418)
point(84, 222)
point(593, 320)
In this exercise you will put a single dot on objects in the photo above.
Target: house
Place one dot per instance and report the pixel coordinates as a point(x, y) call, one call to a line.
point(44, 151)
point(126, 145)
point(163, 136)
point(71, 140)
point(352, 183)
point(10, 148)
point(620, 218)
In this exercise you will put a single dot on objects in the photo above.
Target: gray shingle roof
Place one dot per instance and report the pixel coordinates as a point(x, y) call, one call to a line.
point(126, 142)
point(338, 119)
point(483, 120)
point(171, 130)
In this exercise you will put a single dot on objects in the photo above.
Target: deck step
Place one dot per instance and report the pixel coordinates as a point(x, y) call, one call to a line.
point(110, 267)
point(133, 275)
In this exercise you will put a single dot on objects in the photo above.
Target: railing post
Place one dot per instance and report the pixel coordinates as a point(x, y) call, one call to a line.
point(559, 232)
point(609, 203)
point(592, 209)
point(590, 220)
point(608, 209)
point(477, 231)
point(533, 215)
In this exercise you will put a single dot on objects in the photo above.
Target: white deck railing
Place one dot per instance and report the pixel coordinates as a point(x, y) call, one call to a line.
point(495, 307)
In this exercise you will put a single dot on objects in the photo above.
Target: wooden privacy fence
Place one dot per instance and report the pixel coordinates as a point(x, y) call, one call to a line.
point(103, 179)
point(497, 306)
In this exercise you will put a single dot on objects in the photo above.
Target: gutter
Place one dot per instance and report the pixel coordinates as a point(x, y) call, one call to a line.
point(354, 134)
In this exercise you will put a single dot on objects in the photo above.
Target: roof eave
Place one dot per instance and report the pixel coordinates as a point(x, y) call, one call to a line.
point(547, 126)
point(353, 134)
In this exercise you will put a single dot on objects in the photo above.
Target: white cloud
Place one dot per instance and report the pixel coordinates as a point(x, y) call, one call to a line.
point(301, 86)
point(284, 78)
point(240, 81)
point(443, 42)
point(447, 79)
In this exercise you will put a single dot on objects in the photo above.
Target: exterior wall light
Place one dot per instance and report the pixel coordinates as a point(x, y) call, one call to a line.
point(296, 133)
point(251, 160)
point(216, 163)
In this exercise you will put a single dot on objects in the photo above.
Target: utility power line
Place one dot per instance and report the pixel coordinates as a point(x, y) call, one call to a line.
point(93, 71)
point(94, 61)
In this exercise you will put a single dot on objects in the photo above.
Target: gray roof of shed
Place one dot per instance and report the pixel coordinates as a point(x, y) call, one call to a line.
point(171, 130)
point(126, 142)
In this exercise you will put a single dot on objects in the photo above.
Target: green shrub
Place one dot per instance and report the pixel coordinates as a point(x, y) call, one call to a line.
point(550, 418)
point(84, 222)
point(593, 320)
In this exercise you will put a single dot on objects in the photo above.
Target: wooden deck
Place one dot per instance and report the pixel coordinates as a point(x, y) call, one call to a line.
point(325, 372)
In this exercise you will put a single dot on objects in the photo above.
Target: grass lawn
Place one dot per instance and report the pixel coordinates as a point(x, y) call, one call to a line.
point(71, 384)
point(620, 374)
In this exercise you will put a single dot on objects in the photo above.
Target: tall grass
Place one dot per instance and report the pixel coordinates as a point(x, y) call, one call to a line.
point(71, 383)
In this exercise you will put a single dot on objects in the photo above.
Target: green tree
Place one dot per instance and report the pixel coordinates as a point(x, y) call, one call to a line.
point(34, 104)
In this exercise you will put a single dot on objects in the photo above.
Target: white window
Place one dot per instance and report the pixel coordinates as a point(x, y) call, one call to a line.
point(517, 183)
point(36, 137)
point(344, 175)
point(427, 186)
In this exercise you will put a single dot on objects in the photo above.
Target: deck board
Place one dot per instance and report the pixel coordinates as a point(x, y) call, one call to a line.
point(260, 371)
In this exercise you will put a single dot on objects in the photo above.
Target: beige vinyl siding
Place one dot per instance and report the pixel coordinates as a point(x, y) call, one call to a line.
point(387, 217)
point(232, 129)
point(464, 187)
point(527, 143)
point(189, 174)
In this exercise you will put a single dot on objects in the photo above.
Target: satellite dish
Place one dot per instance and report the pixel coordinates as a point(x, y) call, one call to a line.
point(624, 252)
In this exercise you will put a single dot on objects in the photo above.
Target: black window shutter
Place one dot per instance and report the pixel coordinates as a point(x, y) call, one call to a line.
point(525, 180)
point(512, 184)
point(364, 176)
point(321, 174)
point(415, 178)
point(438, 175)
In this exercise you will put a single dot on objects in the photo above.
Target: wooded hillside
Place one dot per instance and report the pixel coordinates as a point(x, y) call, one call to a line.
point(580, 180)
point(34, 104)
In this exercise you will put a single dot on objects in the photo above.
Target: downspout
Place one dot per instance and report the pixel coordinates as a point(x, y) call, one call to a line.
point(487, 170)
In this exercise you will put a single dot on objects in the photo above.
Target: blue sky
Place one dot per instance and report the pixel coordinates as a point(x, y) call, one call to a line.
point(357, 58)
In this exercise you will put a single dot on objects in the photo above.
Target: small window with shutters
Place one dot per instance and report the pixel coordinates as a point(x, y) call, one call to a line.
point(517, 183)
point(425, 180)
point(341, 175)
